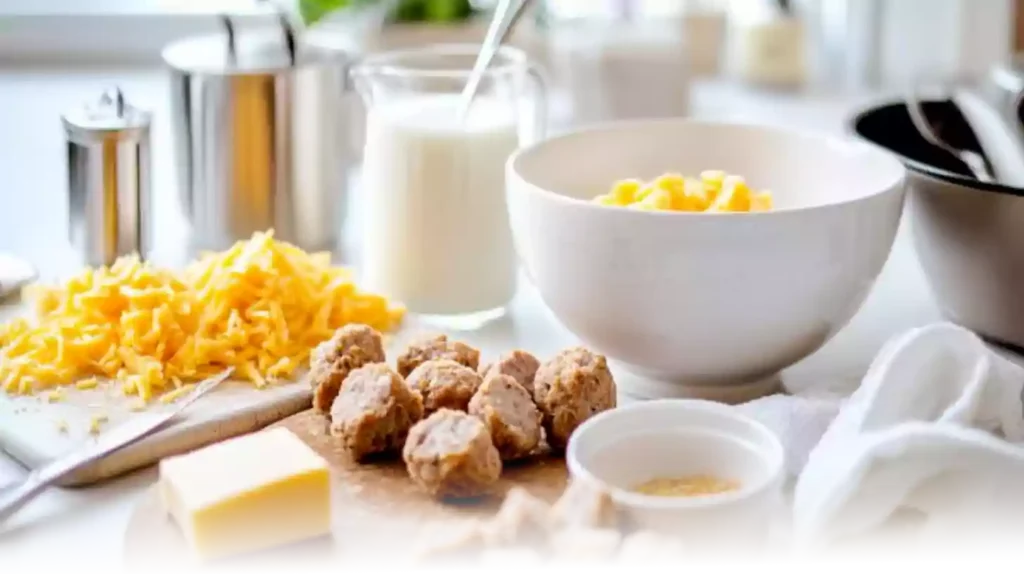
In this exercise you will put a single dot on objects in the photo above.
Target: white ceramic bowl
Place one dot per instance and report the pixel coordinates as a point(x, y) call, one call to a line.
point(624, 447)
point(697, 304)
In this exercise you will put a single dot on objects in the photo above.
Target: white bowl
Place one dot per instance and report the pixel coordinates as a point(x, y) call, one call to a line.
point(699, 304)
point(619, 449)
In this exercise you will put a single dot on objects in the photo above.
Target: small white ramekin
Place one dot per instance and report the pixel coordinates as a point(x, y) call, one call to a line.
point(624, 447)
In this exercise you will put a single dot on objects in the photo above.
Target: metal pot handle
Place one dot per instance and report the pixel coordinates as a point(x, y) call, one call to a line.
point(287, 29)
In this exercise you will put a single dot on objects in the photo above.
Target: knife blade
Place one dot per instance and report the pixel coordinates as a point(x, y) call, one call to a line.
point(136, 428)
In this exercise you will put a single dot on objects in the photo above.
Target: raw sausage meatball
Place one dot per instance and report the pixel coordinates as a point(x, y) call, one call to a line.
point(510, 560)
point(509, 414)
point(651, 549)
point(351, 347)
point(374, 411)
point(450, 454)
point(519, 365)
point(571, 388)
point(444, 384)
point(437, 347)
point(521, 522)
point(583, 505)
point(446, 546)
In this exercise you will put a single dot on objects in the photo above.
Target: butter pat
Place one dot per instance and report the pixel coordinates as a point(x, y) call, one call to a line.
point(249, 493)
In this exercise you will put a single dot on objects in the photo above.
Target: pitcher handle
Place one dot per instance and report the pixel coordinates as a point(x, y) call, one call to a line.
point(541, 103)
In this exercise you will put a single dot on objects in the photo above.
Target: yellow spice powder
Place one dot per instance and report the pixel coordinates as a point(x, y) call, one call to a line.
point(692, 485)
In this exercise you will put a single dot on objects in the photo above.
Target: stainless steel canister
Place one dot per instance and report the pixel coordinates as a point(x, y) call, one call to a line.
point(108, 179)
point(262, 130)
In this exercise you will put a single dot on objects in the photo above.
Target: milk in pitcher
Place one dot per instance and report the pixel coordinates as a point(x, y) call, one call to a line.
point(437, 235)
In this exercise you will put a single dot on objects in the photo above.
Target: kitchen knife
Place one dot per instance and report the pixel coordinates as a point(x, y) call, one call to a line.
point(14, 498)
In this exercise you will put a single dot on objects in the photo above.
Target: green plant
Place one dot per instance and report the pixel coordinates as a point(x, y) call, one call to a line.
point(432, 10)
point(312, 11)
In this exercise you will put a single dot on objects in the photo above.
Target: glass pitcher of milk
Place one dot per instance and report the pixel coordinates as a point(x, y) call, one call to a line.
point(435, 227)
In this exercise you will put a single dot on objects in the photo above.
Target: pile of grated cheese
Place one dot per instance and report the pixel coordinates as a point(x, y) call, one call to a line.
point(259, 307)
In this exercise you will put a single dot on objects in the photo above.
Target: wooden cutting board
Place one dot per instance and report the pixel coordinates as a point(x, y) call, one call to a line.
point(374, 505)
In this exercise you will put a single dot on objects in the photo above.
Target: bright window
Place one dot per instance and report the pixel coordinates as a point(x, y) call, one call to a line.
point(122, 7)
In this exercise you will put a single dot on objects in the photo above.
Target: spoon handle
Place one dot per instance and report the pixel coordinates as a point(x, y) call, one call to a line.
point(501, 26)
point(977, 165)
point(974, 162)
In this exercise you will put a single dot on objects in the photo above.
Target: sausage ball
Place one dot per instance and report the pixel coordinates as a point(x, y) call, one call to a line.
point(374, 411)
point(509, 414)
point(351, 347)
point(450, 455)
point(518, 364)
point(437, 347)
point(444, 384)
point(570, 388)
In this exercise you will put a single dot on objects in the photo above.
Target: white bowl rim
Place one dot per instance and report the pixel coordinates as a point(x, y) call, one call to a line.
point(775, 456)
point(881, 154)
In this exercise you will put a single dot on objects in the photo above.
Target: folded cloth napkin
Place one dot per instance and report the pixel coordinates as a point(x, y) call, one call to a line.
point(936, 426)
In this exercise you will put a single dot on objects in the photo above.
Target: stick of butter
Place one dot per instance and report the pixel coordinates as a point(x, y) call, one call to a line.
point(249, 493)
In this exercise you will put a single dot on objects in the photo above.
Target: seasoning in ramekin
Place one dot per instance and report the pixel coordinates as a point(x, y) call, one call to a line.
point(690, 485)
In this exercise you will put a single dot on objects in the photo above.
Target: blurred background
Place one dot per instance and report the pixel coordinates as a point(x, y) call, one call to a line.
point(607, 58)
point(847, 44)
point(798, 62)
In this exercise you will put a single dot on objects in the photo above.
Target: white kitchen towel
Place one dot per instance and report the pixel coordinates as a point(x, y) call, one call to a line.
point(936, 426)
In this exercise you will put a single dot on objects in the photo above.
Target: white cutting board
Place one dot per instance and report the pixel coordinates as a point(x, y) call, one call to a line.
point(35, 431)
point(31, 428)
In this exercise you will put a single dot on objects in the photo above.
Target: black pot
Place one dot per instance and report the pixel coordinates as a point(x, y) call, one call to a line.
point(969, 235)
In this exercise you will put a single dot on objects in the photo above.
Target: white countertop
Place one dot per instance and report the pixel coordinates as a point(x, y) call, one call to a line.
point(89, 524)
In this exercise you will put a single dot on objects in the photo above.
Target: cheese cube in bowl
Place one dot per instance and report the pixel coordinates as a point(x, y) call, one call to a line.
point(701, 303)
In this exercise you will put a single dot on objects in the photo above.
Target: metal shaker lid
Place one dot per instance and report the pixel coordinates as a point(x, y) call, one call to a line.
point(109, 116)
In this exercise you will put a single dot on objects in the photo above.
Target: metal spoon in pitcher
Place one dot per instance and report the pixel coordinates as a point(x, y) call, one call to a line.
point(501, 26)
point(974, 162)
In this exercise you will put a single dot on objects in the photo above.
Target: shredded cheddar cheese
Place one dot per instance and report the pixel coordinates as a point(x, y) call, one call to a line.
point(96, 422)
point(260, 307)
point(87, 384)
point(177, 393)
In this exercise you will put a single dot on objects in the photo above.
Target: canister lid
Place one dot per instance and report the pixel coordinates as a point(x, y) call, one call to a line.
point(110, 115)
point(255, 52)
